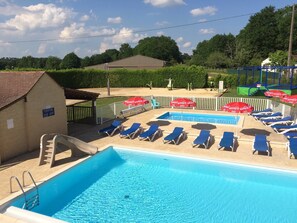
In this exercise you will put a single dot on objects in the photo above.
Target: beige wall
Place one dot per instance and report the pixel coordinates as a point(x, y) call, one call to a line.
point(29, 123)
point(13, 141)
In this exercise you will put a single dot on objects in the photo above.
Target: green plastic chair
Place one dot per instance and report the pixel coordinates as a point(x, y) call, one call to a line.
point(155, 104)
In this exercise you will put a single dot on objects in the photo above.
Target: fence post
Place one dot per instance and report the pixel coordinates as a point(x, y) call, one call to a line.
point(114, 109)
point(73, 113)
point(101, 118)
point(267, 103)
point(216, 103)
point(283, 110)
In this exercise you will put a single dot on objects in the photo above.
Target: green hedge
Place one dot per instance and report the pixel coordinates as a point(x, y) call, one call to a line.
point(90, 78)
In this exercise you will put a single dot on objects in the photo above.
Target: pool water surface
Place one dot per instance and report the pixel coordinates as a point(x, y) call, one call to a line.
point(197, 117)
point(122, 185)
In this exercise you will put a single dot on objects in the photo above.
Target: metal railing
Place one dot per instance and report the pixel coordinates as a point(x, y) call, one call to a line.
point(111, 111)
point(80, 114)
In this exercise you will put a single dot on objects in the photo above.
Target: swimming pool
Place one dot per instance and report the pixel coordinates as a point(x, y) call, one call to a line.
point(197, 117)
point(122, 185)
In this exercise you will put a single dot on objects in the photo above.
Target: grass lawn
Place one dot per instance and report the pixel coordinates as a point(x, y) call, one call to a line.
point(103, 101)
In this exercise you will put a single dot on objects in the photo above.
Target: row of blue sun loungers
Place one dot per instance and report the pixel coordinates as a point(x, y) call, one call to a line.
point(227, 141)
point(281, 125)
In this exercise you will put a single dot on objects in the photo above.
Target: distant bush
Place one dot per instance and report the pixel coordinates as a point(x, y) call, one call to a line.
point(90, 78)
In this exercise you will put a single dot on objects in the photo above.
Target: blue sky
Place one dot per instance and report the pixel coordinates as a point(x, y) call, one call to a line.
point(87, 27)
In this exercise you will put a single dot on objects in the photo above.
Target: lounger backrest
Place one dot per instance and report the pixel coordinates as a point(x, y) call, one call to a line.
point(178, 130)
point(293, 142)
point(228, 135)
point(153, 127)
point(116, 123)
point(135, 125)
point(260, 138)
point(205, 133)
point(276, 114)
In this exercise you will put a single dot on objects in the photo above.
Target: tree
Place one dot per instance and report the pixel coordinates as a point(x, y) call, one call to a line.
point(159, 47)
point(283, 17)
point(279, 58)
point(224, 44)
point(86, 61)
point(218, 60)
point(125, 51)
point(53, 63)
point(71, 60)
point(258, 37)
point(185, 58)
point(100, 59)
point(112, 53)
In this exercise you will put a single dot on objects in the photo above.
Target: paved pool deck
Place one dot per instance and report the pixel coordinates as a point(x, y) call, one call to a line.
point(89, 133)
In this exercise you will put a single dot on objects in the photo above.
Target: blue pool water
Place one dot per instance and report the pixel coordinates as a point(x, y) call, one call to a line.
point(204, 118)
point(120, 185)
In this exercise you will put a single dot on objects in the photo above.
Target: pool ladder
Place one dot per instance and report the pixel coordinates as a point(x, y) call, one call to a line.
point(30, 202)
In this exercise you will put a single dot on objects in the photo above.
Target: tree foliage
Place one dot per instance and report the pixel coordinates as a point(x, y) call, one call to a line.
point(71, 60)
point(279, 58)
point(159, 47)
point(125, 51)
point(53, 63)
point(219, 45)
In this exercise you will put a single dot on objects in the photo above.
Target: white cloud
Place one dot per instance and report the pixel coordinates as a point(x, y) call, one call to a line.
point(208, 10)
point(103, 47)
point(164, 3)
point(84, 18)
point(41, 48)
point(207, 31)
point(187, 44)
point(9, 9)
point(39, 16)
point(76, 30)
point(162, 23)
point(179, 39)
point(160, 33)
point(126, 35)
point(115, 20)
point(2, 43)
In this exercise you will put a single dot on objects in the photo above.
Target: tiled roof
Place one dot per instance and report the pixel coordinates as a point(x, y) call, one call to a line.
point(79, 94)
point(16, 85)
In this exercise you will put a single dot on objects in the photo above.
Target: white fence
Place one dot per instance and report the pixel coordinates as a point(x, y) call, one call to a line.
point(111, 111)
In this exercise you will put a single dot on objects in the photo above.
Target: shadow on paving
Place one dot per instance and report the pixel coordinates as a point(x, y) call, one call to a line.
point(89, 132)
point(160, 123)
point(204, 126)
point(253, 132)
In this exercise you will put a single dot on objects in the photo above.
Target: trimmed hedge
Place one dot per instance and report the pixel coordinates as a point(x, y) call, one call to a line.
point(90, 78)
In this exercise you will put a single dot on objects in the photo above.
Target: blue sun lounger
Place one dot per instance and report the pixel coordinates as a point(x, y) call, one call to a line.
point(290, 135)
point(175, 136)
point(266, 111)
point(270, 122)
point(261, 144)
point(151, 133)
point(131, 132)
point(284, 128)
point(203, 139)
point(292, 147)
point(110, 130)
point(227, 141)
point(271, 116)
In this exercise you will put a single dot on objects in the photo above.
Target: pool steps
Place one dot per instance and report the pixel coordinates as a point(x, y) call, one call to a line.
point(32, 201)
